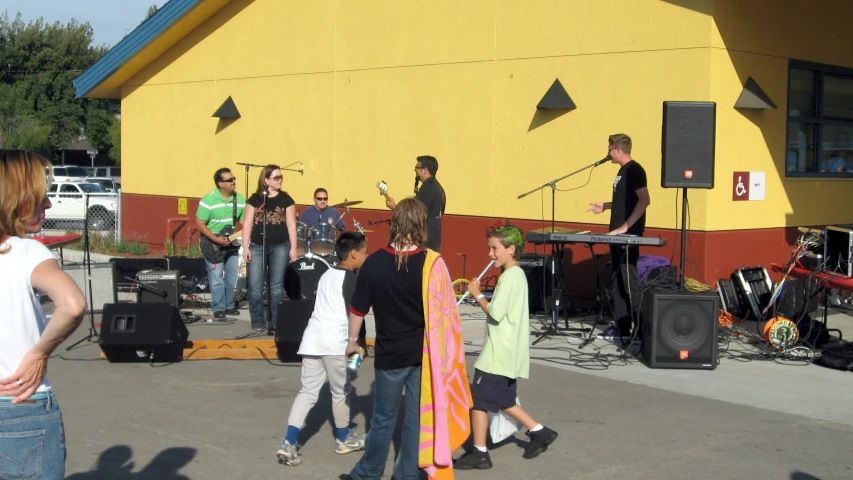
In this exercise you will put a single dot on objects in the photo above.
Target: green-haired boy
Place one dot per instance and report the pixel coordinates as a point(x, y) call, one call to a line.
point(505, 356)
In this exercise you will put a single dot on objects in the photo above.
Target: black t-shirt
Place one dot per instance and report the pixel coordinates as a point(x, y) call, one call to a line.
point(398, 308)
point(631, 177)
point(276, 218)
point(432, 195)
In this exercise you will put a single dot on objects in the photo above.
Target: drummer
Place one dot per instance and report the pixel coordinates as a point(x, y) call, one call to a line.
point(320, 212)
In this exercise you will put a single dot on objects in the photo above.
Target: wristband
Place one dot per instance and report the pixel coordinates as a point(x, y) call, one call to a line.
point(353, 340)
point(478, 297)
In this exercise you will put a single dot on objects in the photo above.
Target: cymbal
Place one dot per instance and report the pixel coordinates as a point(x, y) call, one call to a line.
point(347, 204)
point(556, 230)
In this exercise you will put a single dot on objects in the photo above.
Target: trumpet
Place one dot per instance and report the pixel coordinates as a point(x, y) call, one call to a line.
point(478, 279)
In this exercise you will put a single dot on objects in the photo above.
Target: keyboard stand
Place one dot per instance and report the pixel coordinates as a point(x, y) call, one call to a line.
point(556, 297)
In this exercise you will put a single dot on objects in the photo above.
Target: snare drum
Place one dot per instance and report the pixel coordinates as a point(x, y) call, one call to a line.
point(323, 238)
point(301, 238)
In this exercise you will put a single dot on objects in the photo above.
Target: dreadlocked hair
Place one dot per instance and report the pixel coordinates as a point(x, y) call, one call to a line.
point(408, 227)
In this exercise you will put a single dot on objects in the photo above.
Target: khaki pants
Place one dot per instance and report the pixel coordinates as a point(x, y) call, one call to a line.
point(315, 370)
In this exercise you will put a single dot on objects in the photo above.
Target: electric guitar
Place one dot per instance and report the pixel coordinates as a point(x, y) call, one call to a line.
point(383, 189)
point(214, 252)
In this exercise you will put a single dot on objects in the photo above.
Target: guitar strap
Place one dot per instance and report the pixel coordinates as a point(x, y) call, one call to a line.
point(234, 218)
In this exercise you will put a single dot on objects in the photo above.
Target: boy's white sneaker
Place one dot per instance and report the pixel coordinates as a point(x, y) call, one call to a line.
point(288, 455)
point(353, 442)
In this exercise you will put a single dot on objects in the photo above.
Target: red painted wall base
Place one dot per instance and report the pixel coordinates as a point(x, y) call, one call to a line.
point(709, 255)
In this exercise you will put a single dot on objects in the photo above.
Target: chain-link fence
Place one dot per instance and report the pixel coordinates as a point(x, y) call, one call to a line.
point(76, 207)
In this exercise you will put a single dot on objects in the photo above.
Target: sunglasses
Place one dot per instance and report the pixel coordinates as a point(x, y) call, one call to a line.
point(229, 180)
point(277, 177)
point(322, 199)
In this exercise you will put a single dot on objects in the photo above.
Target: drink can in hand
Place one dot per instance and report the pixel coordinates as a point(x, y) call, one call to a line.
point(355, 360)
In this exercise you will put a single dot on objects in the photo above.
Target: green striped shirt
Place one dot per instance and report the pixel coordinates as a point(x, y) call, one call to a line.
point(218, 212)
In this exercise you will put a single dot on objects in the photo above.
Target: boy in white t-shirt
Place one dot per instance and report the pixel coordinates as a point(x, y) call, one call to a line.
point(323, 349)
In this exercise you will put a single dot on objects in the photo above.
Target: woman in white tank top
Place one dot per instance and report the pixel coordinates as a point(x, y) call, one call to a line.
point(30, 420)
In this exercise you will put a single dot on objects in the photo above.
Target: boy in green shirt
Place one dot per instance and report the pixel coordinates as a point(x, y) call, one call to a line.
point(506, 352)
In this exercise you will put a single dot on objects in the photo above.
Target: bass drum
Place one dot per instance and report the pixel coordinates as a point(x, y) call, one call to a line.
point(303, 276)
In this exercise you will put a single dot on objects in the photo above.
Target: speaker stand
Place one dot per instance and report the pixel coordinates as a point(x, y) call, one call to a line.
point(683, 237)
point(92, 336)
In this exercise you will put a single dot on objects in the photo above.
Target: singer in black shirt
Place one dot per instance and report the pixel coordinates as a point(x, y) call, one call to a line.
point(431, 194)
point(272, 207)
point(627, 216)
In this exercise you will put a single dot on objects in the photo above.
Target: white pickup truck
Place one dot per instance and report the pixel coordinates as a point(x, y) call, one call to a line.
point(69, 204)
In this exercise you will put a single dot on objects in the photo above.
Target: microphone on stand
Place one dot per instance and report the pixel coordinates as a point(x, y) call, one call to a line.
point(603, 160)
point(417, 180)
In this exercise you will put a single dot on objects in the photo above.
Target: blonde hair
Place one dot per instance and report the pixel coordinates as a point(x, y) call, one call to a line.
point(408, 227)
point(24, 179)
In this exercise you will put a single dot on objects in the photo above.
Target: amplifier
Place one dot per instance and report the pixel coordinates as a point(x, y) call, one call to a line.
point(731, 299)
point(755, 287)
point(838, 249)
point(159, 286)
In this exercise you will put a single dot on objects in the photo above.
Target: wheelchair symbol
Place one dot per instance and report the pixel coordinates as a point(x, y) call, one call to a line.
point(740, 189)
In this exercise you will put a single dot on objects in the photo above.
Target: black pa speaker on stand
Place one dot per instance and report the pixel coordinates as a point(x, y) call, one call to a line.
point(293, 316)
point(688, 152)
point(680, 329)
point(142, 332)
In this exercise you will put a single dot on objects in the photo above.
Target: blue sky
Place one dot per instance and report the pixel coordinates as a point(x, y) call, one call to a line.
point(111, 20)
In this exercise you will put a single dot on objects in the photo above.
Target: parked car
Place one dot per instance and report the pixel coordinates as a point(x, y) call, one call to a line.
point(68, 173)
point(112, 172)
point(69, 204)
point(106, 183)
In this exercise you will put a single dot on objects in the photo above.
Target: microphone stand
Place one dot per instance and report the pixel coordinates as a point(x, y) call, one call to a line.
point(93, 333)
point(268, 315)
point(248, 165)
point(556, 269)
point(268, 310)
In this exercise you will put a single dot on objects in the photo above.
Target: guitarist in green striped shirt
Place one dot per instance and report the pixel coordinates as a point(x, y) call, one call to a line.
point(219, 212)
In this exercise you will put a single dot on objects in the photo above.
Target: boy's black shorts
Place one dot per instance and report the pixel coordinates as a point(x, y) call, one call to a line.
point(491, 392)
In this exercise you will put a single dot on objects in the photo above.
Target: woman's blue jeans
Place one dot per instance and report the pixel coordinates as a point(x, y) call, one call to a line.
point(32, 439)
point(277, 259)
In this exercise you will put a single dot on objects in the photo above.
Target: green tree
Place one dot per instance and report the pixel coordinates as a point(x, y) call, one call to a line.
point(115, 139)
point(39, 61)
point(151, 11)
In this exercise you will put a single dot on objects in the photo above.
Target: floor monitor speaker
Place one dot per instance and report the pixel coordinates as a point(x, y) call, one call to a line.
point(142, 332)
point(680, 329)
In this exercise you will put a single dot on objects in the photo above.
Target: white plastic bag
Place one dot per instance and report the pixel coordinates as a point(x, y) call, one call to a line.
point(502, 426)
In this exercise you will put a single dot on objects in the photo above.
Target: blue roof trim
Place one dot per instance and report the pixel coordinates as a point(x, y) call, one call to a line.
point(130, 45)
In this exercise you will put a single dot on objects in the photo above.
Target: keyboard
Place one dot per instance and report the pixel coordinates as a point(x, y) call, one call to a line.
point(555, 238)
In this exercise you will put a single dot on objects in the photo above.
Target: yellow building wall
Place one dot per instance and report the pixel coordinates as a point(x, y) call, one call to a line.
point(356, 90)
point(757, 38)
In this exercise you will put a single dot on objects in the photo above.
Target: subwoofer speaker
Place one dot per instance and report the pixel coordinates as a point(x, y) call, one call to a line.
point(142, 332)
point(293, 316)
point(687, 147)
point(680, 329)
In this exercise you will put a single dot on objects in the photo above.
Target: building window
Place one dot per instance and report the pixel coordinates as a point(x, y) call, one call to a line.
point(820, 121)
